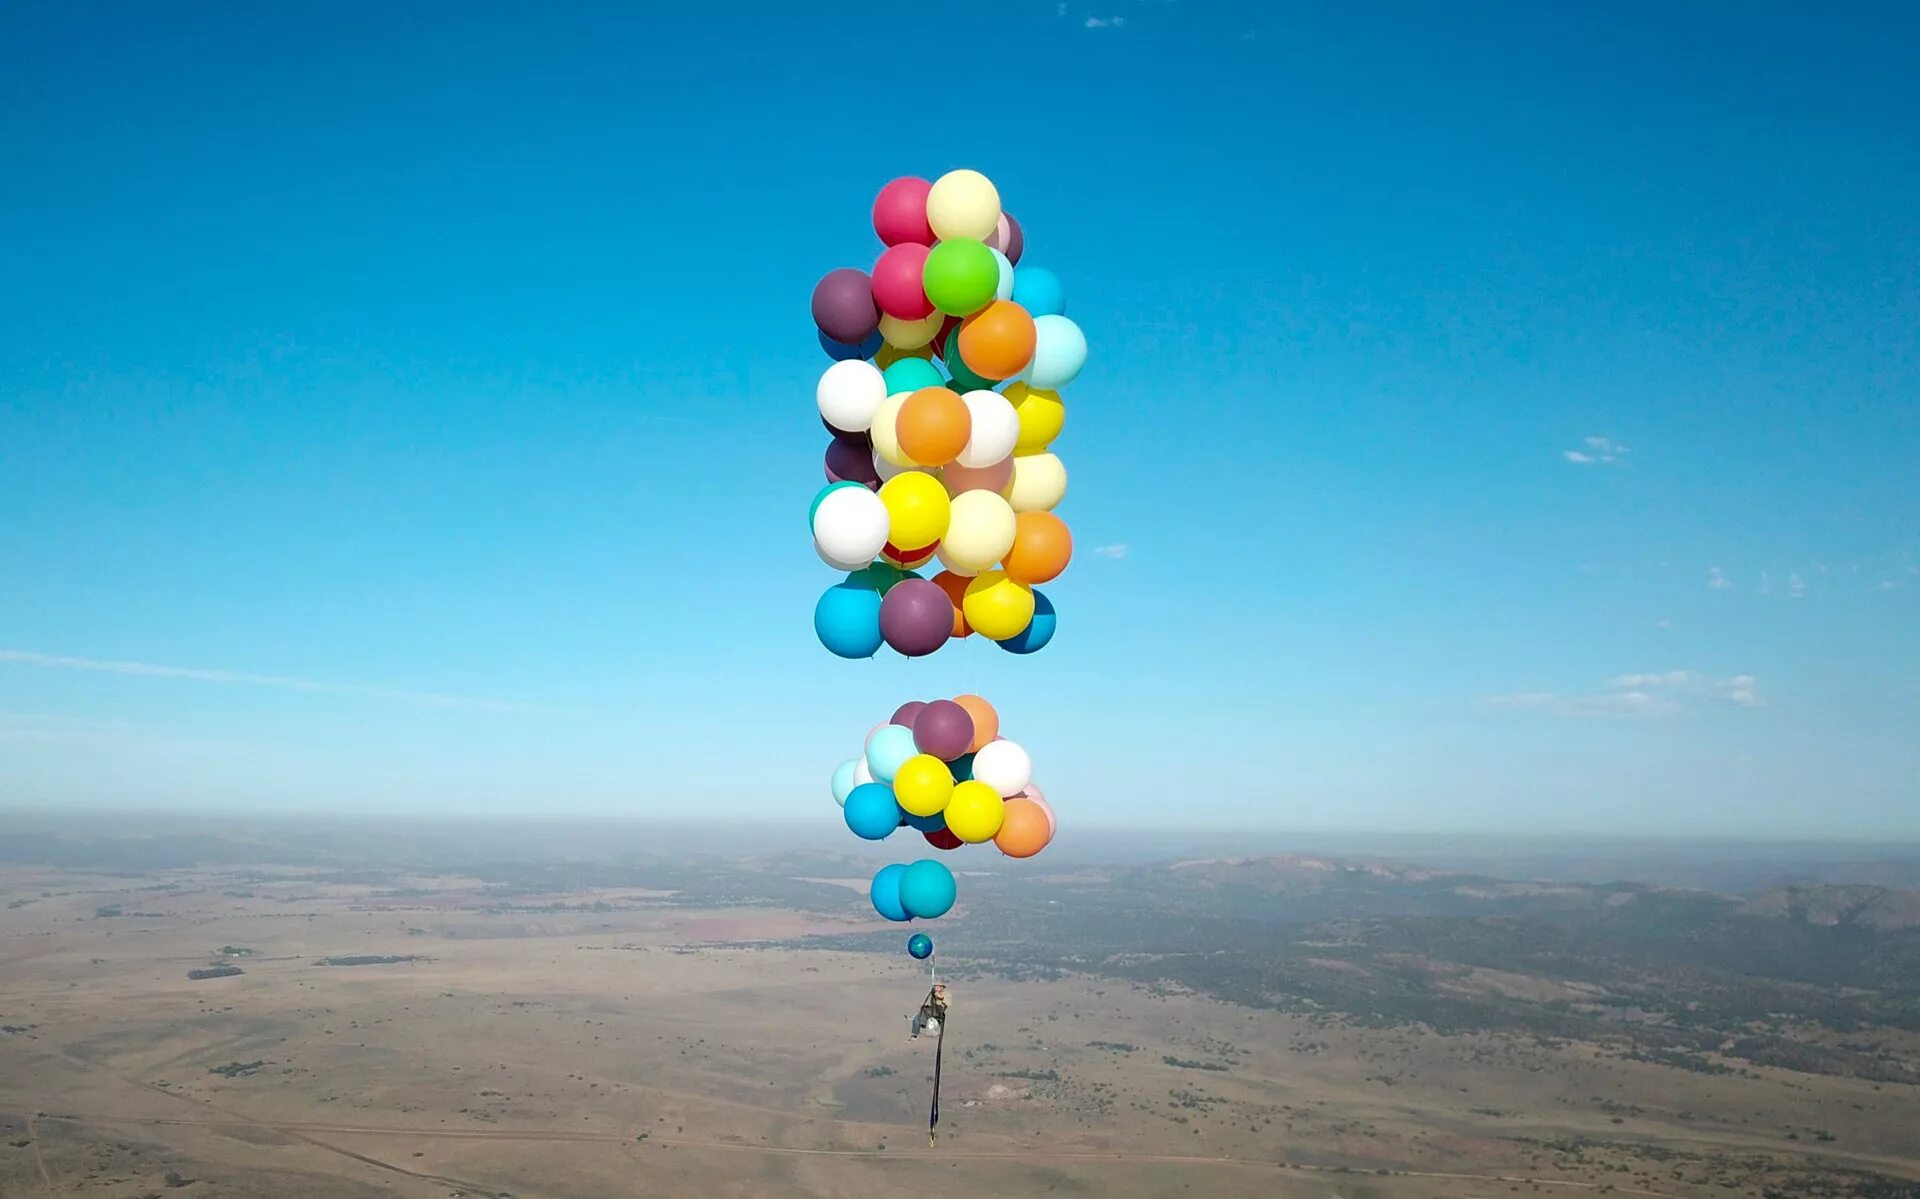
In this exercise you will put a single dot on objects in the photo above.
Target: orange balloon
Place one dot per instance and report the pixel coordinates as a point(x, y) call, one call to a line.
point(1042, 544)
point(997, 341)
point(933, 426)
point(986, 721)
point(1024, 831)
point(956, 588)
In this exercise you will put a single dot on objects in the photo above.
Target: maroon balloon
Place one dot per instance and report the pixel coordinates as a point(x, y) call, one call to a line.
point(943, 728)
point(905, 713)
point(861, 438)
point(943, 838)
point(1016, 241)
point(916, 617)
point(843, 306)
point(848, 461)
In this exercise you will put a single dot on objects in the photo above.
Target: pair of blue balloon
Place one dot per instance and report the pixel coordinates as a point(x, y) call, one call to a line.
point(924, 889)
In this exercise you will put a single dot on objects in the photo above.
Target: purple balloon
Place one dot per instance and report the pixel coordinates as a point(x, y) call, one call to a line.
point(943, 729)
point(862, 438)
point(843, 306)
point(905, 713)
point(848, 461)
point(916, 617)
point(1016, 240)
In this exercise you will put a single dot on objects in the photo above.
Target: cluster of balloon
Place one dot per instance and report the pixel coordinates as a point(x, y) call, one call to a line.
point(943, 770)
point(943, 399)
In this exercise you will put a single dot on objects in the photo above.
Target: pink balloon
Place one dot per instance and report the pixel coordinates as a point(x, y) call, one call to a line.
point(1007, 239)
point(900, 212)
point(896, 282)
point(1037, 796)
point(960, 478)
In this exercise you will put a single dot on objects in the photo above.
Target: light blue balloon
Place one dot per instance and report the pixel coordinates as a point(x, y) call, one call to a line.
point(911, 374)
point(1003, 290)
point(871, 811)
point(847, 620)
point(889, 751)
point(927, 889)
point(1038, 632)
point(1059, 351)
point(1039, 291)
point(885, 892)
point(843, 780)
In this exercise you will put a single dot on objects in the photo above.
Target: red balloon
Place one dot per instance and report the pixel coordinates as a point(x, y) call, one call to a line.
point(900, 212)
point(943, 838)
point(897, 286)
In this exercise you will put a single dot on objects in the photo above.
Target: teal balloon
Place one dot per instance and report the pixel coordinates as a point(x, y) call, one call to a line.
point(927, 824)
point(1039, 630)
point(888, 751)
point(871, 811)
point(1059, 351)
point(920, 945)
point(843, 780)
point(1004, 291)
point(962, 768)
point(884, 891)
point(847, 620)
point(826, 491)
point(880, 576)
point(927, 889)
point(1038, 290)
point(911, 374)
point(964, 380)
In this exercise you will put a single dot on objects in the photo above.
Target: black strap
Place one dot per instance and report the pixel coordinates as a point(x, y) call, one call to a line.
point(933, 1113)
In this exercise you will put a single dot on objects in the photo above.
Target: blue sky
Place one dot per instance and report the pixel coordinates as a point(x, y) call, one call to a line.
point(1505, 419)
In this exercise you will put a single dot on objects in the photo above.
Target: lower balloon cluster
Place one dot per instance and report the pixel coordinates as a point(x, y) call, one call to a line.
point(943, 770)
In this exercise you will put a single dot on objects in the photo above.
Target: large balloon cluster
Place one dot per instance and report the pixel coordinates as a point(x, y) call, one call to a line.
point(943, 770)
point(943, 399)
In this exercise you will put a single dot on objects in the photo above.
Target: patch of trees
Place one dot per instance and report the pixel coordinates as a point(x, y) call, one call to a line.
point(220, 971)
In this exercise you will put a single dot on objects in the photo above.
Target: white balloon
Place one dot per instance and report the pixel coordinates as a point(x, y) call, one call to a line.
point(996, 428)
point(845, 779)
point(850, 393)
point(850, 525)
point(1004, 766)
point(1003, 290)
point(862, 773)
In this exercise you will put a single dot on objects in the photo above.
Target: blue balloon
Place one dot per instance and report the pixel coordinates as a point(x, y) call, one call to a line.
point(920, 945)
point(1038, 290)
point(927, 824)
point(885, 892)
point(843, 780)
point(962, 766)
point(1059, 351)
point(889, 750)
point(871, 811)
point(911, 374)
point(840, 351)
point(927, 889)
point(847, 620)
point(1038, 632)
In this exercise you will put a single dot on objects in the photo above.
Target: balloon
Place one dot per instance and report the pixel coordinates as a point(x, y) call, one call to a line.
point(1003, 766)
point(927, 889)
point(965, 378)
point(1039, 482)
point(960, 277)
point(848, 394)
point(843, 780)
point(847, 462)
point(981, 529)
point(960, 478)
point(910, 335)
point(1059, 351)
point(955, 587)
point(887, 470)
point(847, 620)
point(938, 346)
point(916, 618)
point(1039, 630)
point(900, 212)
point(904, 714)
point(886, 435)
point(994, 429)
point(897, 289)
point(943, 838)
point(843, 306)
point(926, 824)
point(920, 947)
point(923, 785)
point(888, 748)
point(909, 560)
point(1040, 415)
point(850, 524)
point(884, 891)
point(997, 342)
point(889, 353)
point(862, 773)
point(910, 375)
point(840, 351)
point(1038, 290)
point(1037, 796)
point(871, 812)
point(943, 729)
point(880, 576)
point(917, 508)
point(1002, 290)
point(974, 811)
point(1024, 830)
point(1007, 238)
point(996, 606)
point(962, 767)
point(986, 722)
point(933, 426)
point(963, 204)
point(813, 510)
point(1042, 546)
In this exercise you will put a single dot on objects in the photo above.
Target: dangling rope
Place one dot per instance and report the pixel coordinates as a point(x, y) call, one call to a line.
point(939, 1043)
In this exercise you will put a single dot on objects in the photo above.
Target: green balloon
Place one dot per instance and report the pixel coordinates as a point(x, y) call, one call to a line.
point(911, 374)
point(964, 379)
point(960, 276)
point(881, 576)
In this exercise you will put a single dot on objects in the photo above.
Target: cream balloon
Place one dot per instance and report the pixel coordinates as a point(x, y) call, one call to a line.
point(963, 204)
point(1039, 482)
point(980, 531)
point(910, 335)
point(1004, 766)
point(996, 427)
point(885, 431)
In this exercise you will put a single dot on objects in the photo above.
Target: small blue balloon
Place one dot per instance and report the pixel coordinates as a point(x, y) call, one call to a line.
point(1038, 290)
point(1059, 351)
point(927, 889)
point(920, 945)
point(927, 824)
point(885, 892)
point(962, 768)
point(840, 351)
point(843, 780)
point(1039, 630)
point(871, 811)
point(847, 620)
point(911, 374)
point(889, 750)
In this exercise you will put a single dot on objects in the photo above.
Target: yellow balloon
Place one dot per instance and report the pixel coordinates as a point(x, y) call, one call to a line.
point(963, 204)
point(887, 355)
point(1039, 481)
point(975, 812)
point(886, 434)
point(980, 532)
point(1041, 416)
point(996, 606)
point(922, 785)
point(909, 335)
point(917, 511)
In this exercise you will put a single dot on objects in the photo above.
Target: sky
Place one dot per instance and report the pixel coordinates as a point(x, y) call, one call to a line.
point(1499, 418)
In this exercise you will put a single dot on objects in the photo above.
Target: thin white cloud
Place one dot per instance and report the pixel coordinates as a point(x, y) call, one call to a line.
point(1888, 585)
point(1105, 22)
point(1717, 579)
point(1118, 549)
point(1663, 624)
point(1796, 587)
point(243, 679)
point(1061, 11)
point(1665, 693)
point(1602, 450)
point(1766, 583)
